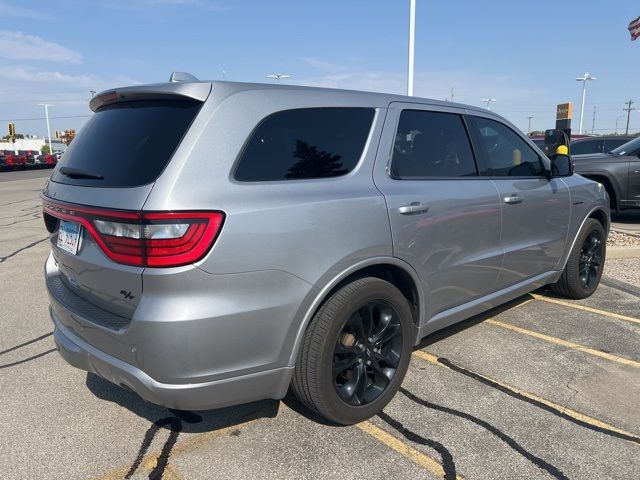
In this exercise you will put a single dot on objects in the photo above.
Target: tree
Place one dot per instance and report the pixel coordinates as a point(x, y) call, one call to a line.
point(314, 163)
point(45, 149)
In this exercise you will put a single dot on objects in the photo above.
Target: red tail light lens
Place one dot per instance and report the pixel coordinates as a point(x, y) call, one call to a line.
point(146, 239)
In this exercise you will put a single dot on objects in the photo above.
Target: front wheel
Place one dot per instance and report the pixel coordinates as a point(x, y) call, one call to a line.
point(355, 352)
point(583, 271)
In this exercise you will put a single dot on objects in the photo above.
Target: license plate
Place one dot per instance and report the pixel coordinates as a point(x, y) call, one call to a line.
point(69, 236)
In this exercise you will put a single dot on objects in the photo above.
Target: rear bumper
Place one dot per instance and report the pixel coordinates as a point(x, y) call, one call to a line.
point(194, 396)
point(196, 341)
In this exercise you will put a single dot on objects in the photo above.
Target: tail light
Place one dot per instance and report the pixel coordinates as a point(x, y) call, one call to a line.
point(145, 239)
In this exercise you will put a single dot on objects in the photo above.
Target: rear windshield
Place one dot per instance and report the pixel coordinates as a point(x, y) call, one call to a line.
point(127, 144)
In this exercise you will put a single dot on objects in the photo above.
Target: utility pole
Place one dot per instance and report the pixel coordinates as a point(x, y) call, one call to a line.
point(628, 103)
point(593, 122)
point(529, 130)
point(412, 38)
point(452, 93)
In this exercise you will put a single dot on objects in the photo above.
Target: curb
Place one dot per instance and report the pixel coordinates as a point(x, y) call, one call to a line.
point(633, 233)
point(623, 252)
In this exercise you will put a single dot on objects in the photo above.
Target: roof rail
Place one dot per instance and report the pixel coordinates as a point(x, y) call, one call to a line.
point(182, 77)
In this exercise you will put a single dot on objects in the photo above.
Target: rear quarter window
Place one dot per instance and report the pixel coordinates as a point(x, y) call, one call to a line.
point(128, 144)
point(305, 143)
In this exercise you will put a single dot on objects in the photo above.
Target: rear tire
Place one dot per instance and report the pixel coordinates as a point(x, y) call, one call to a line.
point(582, 273)
point(355, 352)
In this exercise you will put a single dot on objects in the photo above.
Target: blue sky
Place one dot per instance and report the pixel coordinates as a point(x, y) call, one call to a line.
point(526, 55)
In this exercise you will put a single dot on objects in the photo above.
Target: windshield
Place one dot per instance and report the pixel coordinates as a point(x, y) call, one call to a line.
point(628, 148)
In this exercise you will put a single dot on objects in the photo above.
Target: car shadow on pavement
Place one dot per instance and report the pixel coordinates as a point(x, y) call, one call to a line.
point(465, 324)
point(191, 422)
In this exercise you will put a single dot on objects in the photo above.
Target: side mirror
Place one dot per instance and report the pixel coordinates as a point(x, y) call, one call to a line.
point(553, 139)
point(561, 165)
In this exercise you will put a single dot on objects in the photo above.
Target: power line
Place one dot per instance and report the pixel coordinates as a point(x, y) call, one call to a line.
point(42, 118)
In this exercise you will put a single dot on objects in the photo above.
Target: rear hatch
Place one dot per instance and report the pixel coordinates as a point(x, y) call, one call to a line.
point(94, 197)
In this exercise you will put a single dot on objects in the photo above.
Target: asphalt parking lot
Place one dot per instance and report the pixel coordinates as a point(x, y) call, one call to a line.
point(541, 388)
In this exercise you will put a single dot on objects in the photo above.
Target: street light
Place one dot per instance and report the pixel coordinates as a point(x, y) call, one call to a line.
point(412, 37)
point(488, 102)
point(46, 114)
point(278, 76)
point(529, 118)
point(584, 79)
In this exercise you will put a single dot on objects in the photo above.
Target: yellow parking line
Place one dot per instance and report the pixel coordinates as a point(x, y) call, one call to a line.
point(407, 451)
point(564, 343)
point(586, 309)
point(562, 409)
point(188, 445)
point(404, 449)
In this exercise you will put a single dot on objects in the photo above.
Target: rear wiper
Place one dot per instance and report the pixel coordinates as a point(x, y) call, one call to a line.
point(77, 173)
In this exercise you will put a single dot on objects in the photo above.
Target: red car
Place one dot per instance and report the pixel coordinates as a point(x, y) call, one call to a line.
point(20, 159)
point(7, 160)
point(47, 160)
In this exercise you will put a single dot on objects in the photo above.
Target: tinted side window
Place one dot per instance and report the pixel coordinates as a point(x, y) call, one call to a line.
point(586, 146)
point(305, 143)
point(507, 154)
point(431, 144)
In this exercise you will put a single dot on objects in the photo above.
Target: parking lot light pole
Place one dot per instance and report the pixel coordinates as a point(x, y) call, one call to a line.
point(488, 102)
point(584, 79)
point(46, 114)
point(412, 37)
point(529, 118)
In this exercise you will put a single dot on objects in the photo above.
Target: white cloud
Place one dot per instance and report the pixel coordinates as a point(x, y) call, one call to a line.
point(7, 10)
point(19, 46)
point(25, 74)
point(28, 85)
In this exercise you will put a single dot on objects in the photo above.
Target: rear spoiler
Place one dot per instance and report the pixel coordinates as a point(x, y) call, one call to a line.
point(176, 90)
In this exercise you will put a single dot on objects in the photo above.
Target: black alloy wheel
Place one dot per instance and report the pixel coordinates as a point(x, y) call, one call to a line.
point(367, 353)
point(590, 259)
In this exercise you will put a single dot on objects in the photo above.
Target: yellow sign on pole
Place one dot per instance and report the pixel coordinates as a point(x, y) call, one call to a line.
point(564, 111)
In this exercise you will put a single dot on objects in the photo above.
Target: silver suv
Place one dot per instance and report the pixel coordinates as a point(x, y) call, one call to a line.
point(215, 243)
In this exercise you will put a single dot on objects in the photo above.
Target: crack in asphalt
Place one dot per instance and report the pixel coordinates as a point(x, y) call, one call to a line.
point(559, 413)
point(33, 340)
point(13, 364)
point(18, 216)
point(175, 427)
point(448, 463)
point(537, 461)
point(18, 201)
point(14, 253)
point(36, 216)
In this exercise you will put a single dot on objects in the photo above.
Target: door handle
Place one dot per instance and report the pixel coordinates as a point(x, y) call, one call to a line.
point(413, 209)
point(513, 199)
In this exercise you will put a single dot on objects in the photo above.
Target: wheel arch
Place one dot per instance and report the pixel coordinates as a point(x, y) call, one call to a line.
point(391, 269)
point(610, 186)
point(598, 213)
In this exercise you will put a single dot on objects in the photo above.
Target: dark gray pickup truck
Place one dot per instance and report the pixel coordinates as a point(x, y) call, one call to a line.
point(618, 171)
